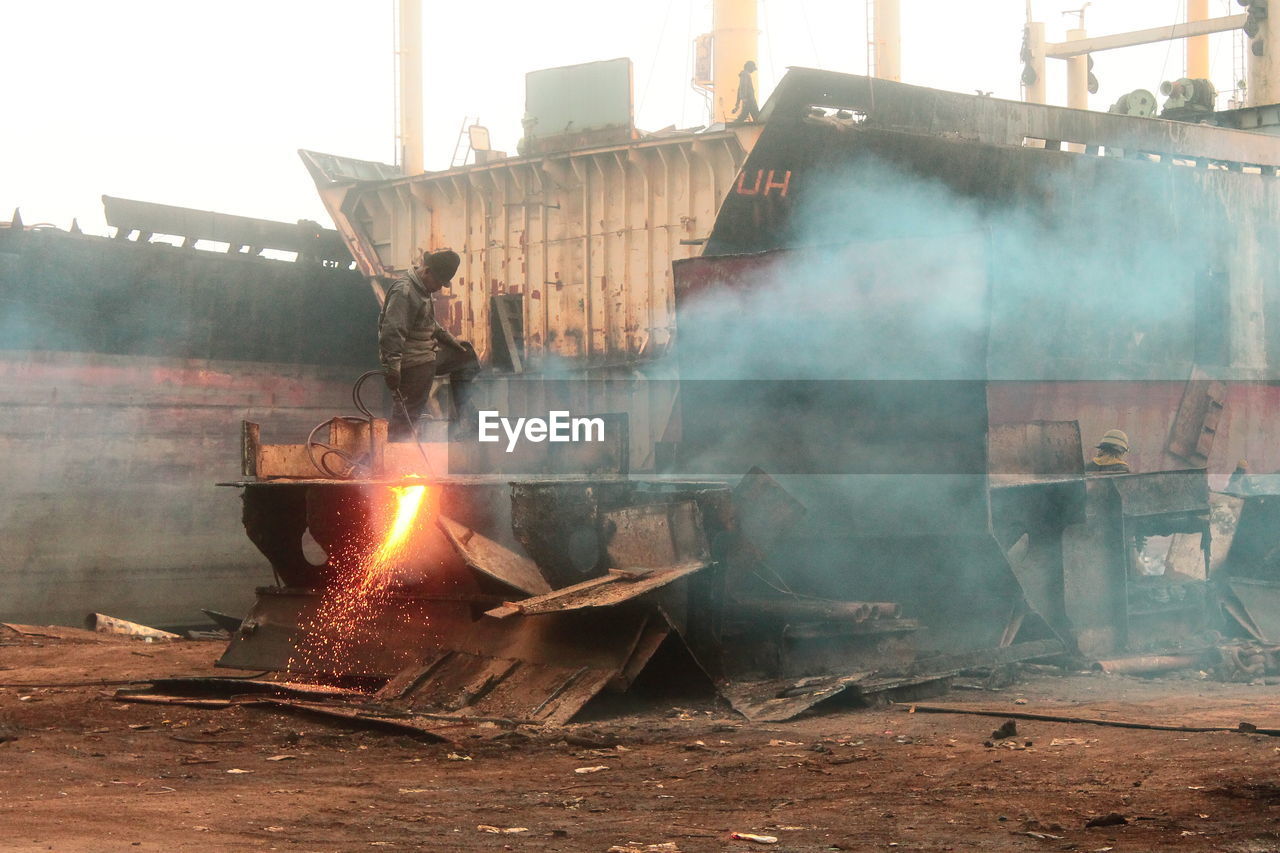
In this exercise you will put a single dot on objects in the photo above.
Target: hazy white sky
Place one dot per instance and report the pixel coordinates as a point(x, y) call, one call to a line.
point(205, 104)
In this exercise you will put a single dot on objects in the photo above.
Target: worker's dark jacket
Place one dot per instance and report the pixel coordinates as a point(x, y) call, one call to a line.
point(407, 327)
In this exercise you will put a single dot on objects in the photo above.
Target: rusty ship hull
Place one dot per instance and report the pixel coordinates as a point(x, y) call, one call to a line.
point(125, 366)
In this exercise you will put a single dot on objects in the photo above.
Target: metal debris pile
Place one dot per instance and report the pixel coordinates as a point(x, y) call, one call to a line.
point(520, 602)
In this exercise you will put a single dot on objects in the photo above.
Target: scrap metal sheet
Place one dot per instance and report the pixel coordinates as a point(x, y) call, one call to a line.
point(467, 685)
point(1260, 601)
point(613, 589)
point(493, 559)
point(367, 717)
point(1034, 451)
point(405, 631)
point(1162, 492)
point(778, 699)
point(541, 670)
point(766, 511)
point(663, 534)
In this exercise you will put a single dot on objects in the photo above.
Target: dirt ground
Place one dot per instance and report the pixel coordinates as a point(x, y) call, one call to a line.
point(81, 771)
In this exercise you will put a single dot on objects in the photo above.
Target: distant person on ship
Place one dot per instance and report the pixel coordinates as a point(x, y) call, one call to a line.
point(746, 106)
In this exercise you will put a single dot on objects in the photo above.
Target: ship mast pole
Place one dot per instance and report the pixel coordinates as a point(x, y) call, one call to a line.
point(1077, 75)
point(734, 40)
point(1198, 46)
point(1078, 66)
point(1036, 92)
point(888, 39)
point(409, 57)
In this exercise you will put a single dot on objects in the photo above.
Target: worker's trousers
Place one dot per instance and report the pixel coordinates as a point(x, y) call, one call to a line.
point(415, 387)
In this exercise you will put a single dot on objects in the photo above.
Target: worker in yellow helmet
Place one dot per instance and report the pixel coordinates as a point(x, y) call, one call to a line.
point(1110, 457)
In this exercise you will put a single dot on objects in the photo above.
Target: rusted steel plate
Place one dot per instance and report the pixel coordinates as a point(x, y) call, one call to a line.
point(656, 631)
point(1162, 492)
point(493, 559)
point(285, 460)
point(578, 315)
point(611, 590)
point(370, 718)
point(765, 510)
point(1196, 423)
point(407, 631)
point(1036, 561)
point(558, 524)
point(1255, 550)
point(663, 534)
point(780, 699)
point(1261, 603)
point(217, 687)
point(819, 610)
point(1093, 574)
point(541, 670)
point(467, 685)
point(1032, 451)
point(186, 701)
point(403, 682)
point(777, 699)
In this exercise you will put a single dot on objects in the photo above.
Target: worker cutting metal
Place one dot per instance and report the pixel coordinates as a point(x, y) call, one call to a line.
point(414, 348)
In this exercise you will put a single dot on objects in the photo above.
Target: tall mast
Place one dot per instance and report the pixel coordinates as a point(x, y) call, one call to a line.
point(887, 38)
point(735, 40)
point(1198, 46)
point(409, 60)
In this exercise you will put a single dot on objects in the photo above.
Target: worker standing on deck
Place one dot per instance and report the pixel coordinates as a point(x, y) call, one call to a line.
point(746, 106)
point(414, 348)
point(1110, 458)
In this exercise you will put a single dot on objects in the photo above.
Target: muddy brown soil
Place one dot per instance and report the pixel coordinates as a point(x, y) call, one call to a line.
point(84, 772)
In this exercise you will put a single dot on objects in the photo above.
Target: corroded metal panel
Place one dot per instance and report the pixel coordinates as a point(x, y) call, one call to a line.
point(493, 559)
point(585, 237)
point(617, 587)
point(655, 535)
point(1162, 492)
point(1035, 451)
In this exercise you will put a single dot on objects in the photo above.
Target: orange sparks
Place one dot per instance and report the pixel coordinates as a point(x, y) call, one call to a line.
point(408, 502)
point(357, 595)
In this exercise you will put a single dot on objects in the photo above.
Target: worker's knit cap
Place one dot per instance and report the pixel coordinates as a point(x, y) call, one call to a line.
point(443, 264)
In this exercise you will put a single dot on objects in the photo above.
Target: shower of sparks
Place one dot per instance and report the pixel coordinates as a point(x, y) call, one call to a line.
point(359, 593)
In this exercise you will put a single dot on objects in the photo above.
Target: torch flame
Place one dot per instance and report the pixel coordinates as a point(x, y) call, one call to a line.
point(357, 595)
point(408, 502)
